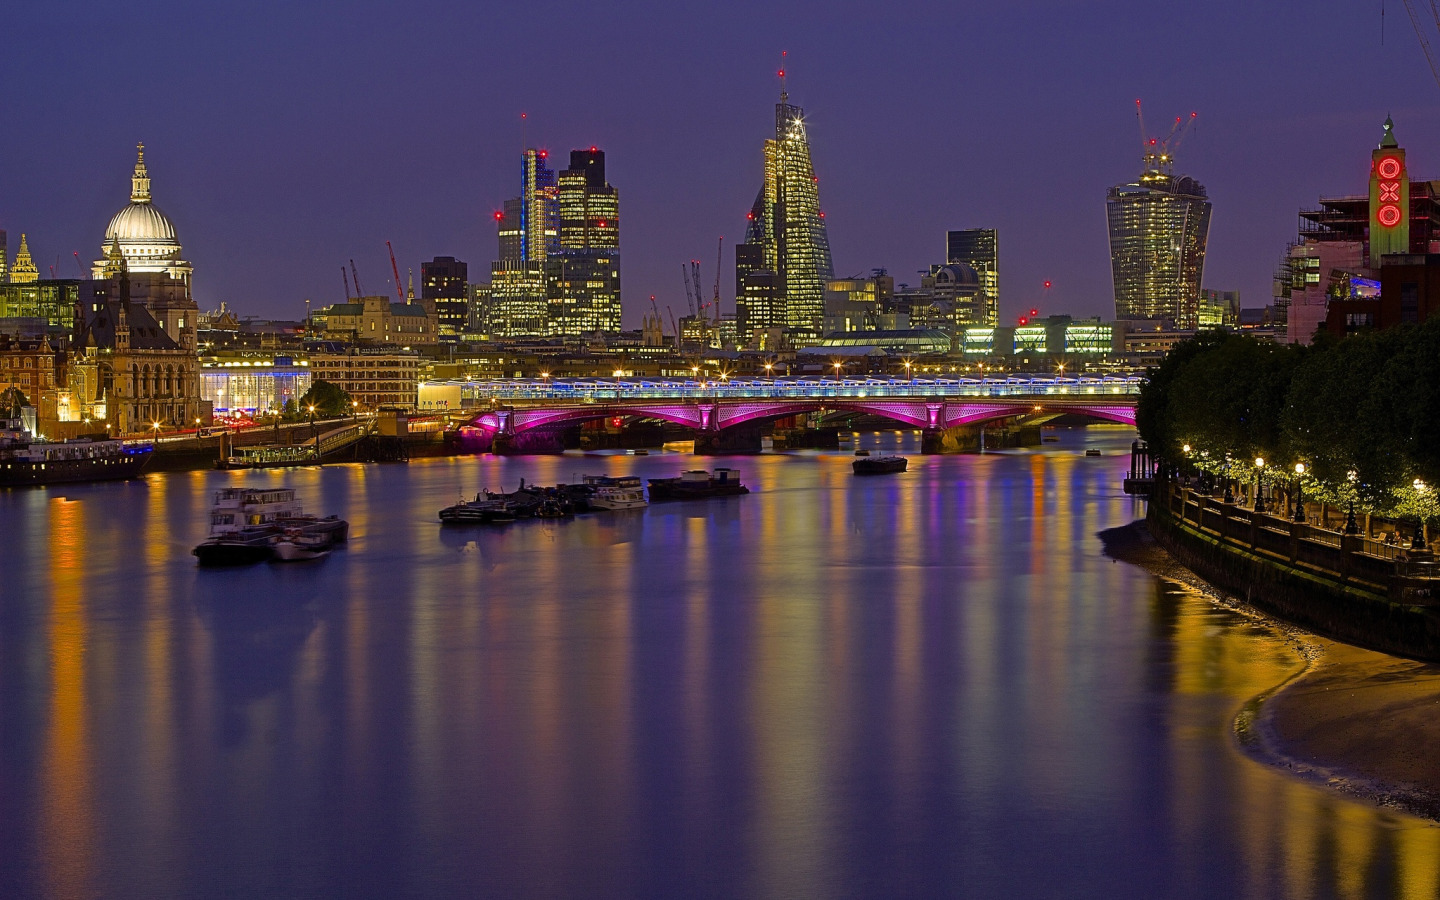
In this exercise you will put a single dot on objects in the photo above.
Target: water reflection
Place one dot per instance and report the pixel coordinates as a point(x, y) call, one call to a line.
point(924, 685)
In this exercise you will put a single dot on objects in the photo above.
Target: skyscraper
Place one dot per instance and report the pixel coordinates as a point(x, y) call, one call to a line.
point(1158, 229)
point(788, 228)
point(443, 287)
point(979, 248)
point(528, 233)
point(583, 278)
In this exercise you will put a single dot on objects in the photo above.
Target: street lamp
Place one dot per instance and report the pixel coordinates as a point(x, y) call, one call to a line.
point(156, 426)
point(1260, 484)
point(1351, 526)
point(1299, 492)
point(1418, 542)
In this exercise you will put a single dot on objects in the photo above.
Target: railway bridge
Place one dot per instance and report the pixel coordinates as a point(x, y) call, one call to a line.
point(505, 410)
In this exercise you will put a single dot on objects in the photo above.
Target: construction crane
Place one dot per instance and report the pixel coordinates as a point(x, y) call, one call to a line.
point(346, 275)
point(689, 294)
point(715, 299)
point(1420, 33)
point(1159, 154)
point(356, 275)
point(396, 269)
point(79, 264)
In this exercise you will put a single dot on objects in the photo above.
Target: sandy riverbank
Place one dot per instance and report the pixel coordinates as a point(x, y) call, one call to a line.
point(1362, 722)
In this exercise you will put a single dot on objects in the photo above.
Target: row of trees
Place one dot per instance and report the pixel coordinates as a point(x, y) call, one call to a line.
point(1361, 415)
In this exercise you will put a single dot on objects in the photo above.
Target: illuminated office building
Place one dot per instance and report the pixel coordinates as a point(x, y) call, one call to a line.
point(528, 232)
point(583, 277)
point(444, 287)
point(788, 228)
point(979, 248)
point(1158, 229)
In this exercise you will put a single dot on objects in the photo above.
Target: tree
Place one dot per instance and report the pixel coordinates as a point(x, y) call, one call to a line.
point(12, 400)
point(329, 399)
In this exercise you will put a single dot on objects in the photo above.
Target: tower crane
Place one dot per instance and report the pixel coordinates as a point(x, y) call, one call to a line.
point(1159, 154)
point(396, 269)
point(1420, 33)
point(715, 299)
point(83, 273)
point(346, 275)
point(356, 275)
point(689, 293)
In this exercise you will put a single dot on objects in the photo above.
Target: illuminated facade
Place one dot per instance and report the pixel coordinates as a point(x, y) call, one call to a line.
point(145, 235)
point(788, 226)
point(1158, 227)
point(51, 300)
point(1342, 241)
point(375, 377)
point(444, 288)
point(583, 278)
point(978, 248)
point(1389, 197)
point(376, 320)
point(253, 386)
point(4, 259)
point(24, 271)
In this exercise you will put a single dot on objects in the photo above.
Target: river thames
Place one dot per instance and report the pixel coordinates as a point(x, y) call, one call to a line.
point(932, 684)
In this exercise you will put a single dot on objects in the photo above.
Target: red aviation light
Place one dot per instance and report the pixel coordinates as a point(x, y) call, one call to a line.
point(750, 216)
point(592, 148)
point(781, 73)
point(499, 216)
point(1047, 285)
point(600, 223)
point(822, 213)
point(1024, 321)
point(1034, 312)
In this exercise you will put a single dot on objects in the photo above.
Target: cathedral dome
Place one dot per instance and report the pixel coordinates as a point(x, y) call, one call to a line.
point(144, 235)
point(141, 223)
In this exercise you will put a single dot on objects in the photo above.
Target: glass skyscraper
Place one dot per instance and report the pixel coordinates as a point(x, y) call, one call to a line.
point(1158, 229)
point(788, 228)
point(583, 278)
point(528, 232)
point(979, 248)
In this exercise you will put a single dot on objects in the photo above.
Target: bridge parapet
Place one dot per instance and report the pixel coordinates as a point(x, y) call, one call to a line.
point(549, 391)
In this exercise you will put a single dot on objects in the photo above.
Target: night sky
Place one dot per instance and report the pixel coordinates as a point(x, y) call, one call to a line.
point(286, 138)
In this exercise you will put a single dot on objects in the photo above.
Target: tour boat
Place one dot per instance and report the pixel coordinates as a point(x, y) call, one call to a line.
point(697, 484)
point(247, 523)
point(880, 465)
point(25, 460)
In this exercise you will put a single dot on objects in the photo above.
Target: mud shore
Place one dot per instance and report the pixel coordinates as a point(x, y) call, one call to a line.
point(1362, 722)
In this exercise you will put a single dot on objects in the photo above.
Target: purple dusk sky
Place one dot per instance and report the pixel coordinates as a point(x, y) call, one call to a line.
point(286, 137)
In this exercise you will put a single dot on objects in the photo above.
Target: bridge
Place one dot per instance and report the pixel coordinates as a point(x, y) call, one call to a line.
point(508, 408)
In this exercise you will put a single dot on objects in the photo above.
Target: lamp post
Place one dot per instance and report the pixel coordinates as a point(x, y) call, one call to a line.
point(1299, 492)
point(1418, 541)
point(1351, 526)
point(1260, 484)
point(313, 435)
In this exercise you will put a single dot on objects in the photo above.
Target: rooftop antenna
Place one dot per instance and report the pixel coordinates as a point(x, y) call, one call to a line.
point(784, 94)
point(524, 141)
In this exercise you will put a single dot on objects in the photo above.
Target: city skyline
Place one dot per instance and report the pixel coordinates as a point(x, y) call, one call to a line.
point(268, 215)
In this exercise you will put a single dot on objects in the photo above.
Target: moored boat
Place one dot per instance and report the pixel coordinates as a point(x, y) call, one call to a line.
point(880, 465)
point(296, 545)
point(26, 460)
point(246, 524)
point(697, 484)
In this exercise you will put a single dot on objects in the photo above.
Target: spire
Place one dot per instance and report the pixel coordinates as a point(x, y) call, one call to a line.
point(114, 260)
point(410, 291)
point(140, 181)
point(24, 271)
point(784, 94)
point(1389, 139)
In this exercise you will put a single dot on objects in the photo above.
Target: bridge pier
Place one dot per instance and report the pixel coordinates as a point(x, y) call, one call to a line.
point(737, 439)
point(996, 434)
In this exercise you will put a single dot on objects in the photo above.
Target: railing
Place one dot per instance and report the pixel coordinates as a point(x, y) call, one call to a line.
point(589, 390)
point(341, 437)
point(1349, 559)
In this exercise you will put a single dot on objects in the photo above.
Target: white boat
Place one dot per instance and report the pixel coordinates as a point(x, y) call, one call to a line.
point(237, 508)
point(618, 497)
point(297, 546)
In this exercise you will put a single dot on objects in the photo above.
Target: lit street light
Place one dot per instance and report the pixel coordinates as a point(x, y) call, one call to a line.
point(1260, 484)
point(1299, 492)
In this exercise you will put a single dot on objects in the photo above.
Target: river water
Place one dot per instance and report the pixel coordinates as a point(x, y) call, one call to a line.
point(930, 684)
